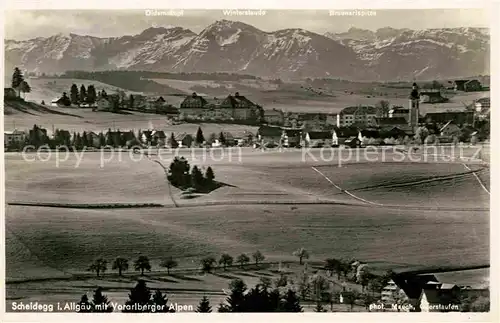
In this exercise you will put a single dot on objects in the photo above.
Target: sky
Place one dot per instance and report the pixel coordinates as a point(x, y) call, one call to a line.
point(27, 24)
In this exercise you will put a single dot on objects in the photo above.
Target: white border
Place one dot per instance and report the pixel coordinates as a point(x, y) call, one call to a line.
point(493, 316)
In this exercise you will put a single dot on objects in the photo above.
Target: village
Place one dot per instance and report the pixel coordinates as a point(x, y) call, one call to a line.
point(353, 126)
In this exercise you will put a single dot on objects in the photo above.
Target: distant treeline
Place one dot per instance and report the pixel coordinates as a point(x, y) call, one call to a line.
point(139, 80)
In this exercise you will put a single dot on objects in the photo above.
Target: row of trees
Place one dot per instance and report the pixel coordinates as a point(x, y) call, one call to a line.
point(19, 83)
point(84, 95)
point(142, 263)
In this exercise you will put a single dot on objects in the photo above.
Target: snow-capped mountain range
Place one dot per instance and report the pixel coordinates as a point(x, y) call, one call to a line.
point(231, 46)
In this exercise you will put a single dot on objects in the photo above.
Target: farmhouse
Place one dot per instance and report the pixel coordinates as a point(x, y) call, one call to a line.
point(320, 139)
point(291, 137)
point(459, 117)
point(63, 101)
point(94, 139)
point(12, 138)
point(159, 137)
point(269, 135)
point(184, 140)
point(439, 298)
point(467, 85)
point(107, 103)
point(430, 96)
point(274, 117)
point(359, 115)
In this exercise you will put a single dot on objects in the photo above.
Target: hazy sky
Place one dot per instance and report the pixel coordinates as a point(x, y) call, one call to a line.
point(30, 24)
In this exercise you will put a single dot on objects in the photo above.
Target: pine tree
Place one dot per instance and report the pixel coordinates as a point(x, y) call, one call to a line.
point(83, 94)
point(204, 306)
point(84, 305)
point(140, 295)
point(160, 301)
point(173, 142)
point(74, 96)
point(17, 79)
point(104, 94)
point(236, 300)
point(85, 142)
point(131, 102)
point(222, 138)
point(199, 136)
point(102, 139)
point(291, 302)
point(91, 94)
point(197, 178)
point(209, 176)
point(109, 138)
point(100, 302)
point(24, 87)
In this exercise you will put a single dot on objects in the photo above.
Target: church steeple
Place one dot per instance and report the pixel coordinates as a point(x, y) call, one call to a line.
point(413, 107)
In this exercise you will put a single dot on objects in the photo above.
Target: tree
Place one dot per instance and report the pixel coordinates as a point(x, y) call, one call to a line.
point(100, 302)
point(141, 264)
point(169, 263)
point(364, 278)
point(43, 102)
point(24, 87)
point(140, 295)
point(73, 93)
point(320, 286)
point(207, 264)
point(304, 286)
point(131, 102)
point(197, 179)
point(350, 298)
point(178, 173)
point(173, 142)
point(104, 94)
point(222, 139)
point(65, 100)
point(333, 266)
point(236, 299)
point(383, 108)
point(209, 176)
point(84, 306)
point(225, 260)
point(436, 85)
point(291, 302)
point(102, 139)
point(212, 138)
point(242, 260)
point(98, 266)
point(91, 94)
point(199, 136)
point(17, 79)
point(421, 134)
point(204, 306)
point(367, 299)
point(160, 301)
point(301, 254)
point(120, 264)
point(83, 94)
point(258, 257)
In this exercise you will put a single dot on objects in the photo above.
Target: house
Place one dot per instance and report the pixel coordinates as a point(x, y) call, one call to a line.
point(319, 139)
point(184, 140)
point(63, 101)
point(352, 142)
point(432, 96)
point(243, 109)
point(397, 111)
point(312, 120)
point(439, 298)
point(169, 110)
point(467, 85)
point(458, 117)
point(159, 137)
point(274, 117)
point(94, 139)
point(450, 129)
point(269, 135)
point(104, 104)
point(357, 115)
point(482, 105)
point(391, 122)
point(291, 137)
point(9, 93)
point(13, 138)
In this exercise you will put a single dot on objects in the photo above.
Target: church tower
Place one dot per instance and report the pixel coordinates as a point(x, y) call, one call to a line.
point(413, 107)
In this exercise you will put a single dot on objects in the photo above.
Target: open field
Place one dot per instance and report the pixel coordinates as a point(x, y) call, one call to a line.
point(86, 120)
point(44, 243)
point(49, 89)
